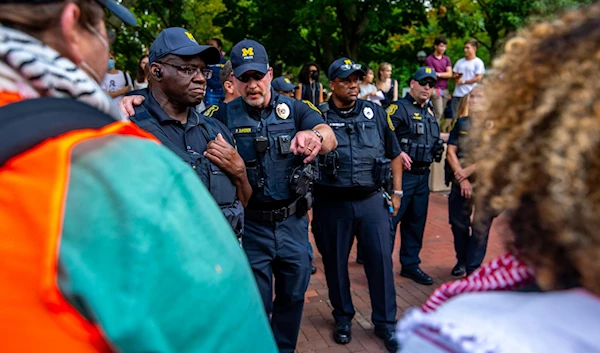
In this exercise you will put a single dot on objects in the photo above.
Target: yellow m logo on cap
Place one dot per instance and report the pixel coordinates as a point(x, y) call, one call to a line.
point(287, 80)
point(348, 62)
point(248, 51)
point(428, 70)
point(190, 36)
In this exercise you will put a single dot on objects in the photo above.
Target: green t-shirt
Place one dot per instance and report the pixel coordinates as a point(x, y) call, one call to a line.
point(146, 253)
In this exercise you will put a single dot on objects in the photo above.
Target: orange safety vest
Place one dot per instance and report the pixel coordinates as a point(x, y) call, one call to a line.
point(34, 315)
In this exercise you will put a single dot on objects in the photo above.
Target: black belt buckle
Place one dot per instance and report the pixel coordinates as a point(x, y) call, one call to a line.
point(418, 170)
point(279, 215)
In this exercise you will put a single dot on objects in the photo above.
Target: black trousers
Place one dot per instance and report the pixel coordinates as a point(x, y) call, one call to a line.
point(470, 240)
point(334, 225)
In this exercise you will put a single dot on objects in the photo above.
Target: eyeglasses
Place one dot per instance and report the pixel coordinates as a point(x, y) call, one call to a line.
point(257, 76)
point(426, 82)
point(190, 71)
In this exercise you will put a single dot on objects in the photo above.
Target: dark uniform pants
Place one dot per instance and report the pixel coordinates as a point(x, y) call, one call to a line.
point(334, 225)
point(470, 249)
point(413, 215)
point(280, 250)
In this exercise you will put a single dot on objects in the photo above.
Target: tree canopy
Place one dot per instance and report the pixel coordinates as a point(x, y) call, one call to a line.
point(368, 31)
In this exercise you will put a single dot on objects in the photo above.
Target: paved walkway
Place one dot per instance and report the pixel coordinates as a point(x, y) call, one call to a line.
point(437, 258)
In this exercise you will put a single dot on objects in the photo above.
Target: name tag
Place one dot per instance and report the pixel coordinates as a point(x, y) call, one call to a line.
point(243, 130)
point(337, 124)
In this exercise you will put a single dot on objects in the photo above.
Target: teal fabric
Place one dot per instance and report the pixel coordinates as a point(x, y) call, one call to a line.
point(147, 254)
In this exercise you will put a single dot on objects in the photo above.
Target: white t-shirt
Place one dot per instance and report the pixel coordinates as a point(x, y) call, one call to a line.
point(115, 82)
point(469, 69)
point(138, 85)
point(368, 89)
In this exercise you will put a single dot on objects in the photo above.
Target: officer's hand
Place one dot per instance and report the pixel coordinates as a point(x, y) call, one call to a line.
point(306, 142)
point(406, 161)
point(127, 103)
point(396, 199)
point(466, 189)
point(224, 156)
point(461, 175)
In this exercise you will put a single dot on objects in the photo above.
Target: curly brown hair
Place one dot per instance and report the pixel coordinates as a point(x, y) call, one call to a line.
point(539, 154)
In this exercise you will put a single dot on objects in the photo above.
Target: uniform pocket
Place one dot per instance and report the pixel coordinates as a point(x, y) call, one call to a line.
point(220, 186)
point(367, 133)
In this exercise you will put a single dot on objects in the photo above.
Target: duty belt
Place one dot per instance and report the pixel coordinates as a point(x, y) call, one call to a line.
point(417, 170)
point(277, 215)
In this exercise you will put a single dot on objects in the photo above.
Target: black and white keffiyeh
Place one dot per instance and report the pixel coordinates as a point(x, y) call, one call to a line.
point(49, 73)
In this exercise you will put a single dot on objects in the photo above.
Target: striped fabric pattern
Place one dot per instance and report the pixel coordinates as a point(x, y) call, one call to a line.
point(504, 273)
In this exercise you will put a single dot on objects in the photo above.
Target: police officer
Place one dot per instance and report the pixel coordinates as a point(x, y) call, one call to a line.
point(419, 137)
point(230, 92)
point(178, 76)
point(350, 199)
point(276, 136)
point(283, 85)
point(470, 248)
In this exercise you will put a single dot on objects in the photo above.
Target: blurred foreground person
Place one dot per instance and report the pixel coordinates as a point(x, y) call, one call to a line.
point(539, 160)
point(108, 242)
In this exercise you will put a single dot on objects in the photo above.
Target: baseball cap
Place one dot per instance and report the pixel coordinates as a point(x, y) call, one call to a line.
point(119, 10)
point(283, 84)
point(342, 68)
point(178, 41)
point(249, 55)
point(424, 72)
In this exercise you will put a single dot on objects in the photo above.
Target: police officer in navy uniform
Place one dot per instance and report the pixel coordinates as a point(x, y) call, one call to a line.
point(277, 137)
point(419, 137)
point(350, 199)
point(178, 76)
point(470, 239)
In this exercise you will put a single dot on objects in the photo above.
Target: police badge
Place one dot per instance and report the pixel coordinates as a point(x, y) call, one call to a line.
point(368, 112)
point(283, 111)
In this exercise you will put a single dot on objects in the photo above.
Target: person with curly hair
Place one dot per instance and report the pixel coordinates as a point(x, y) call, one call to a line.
point(538, 158)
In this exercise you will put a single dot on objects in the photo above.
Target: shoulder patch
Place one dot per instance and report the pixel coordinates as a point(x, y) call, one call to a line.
point(210, 111)
point(391, 110)
point(312, 106)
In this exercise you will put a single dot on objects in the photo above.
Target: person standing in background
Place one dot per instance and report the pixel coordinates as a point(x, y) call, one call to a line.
point(214, 89)
point(309, 88)
point(443, 70)
point(368, 91)
point(116, 83)
point(386, 84)
point(141, 77)
point(467, 72)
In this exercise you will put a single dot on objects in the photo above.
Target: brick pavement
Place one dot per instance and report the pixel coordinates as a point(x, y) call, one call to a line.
point(437, 258)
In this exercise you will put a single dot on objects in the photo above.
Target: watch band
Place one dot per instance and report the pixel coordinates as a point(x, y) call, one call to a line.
point(318, 135)
point(399, 192)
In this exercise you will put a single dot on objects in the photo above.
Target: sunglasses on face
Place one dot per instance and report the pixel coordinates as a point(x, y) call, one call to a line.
point(426, 82)
point(190, 71)
point(245, 77)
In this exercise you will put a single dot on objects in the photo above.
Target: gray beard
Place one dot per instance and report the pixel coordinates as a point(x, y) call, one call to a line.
point(257, 103)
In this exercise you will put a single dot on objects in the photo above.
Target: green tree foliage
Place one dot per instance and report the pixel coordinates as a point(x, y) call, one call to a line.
point(156, 15)
point(368, 31)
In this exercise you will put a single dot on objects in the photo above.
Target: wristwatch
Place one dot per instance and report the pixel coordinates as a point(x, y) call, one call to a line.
point(318, 135)
point(399, 192)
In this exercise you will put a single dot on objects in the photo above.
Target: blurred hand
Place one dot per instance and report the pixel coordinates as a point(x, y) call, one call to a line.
point(128, 103)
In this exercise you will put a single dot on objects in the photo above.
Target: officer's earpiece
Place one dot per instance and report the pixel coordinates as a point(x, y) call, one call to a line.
point(157, 73)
